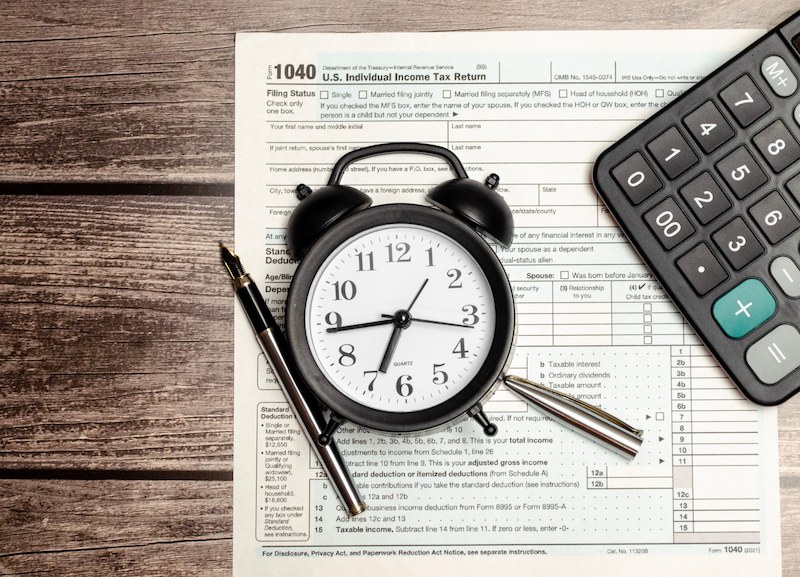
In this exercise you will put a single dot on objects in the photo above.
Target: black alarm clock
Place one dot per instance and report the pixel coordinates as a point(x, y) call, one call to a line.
point(400, 317)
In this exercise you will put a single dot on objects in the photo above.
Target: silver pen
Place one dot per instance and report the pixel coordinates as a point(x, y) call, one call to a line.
point(578, 415)
point(301, 400)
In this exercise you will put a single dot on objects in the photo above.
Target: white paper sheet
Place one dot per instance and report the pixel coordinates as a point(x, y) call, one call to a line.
point(536, 108)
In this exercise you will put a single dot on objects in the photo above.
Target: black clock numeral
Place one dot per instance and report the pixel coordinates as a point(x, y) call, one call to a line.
point(402, 248)
point(471, 319)
point(404, 388)
point(366, 262)
point(460, 349)
point(454, 274)
point(333, 319)
point(347, 358)
point(345, 290)
point(430, 256)
point(372, 382)
point(439, 376)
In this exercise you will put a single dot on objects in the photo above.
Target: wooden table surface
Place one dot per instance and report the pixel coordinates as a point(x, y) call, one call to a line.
point(116, 324)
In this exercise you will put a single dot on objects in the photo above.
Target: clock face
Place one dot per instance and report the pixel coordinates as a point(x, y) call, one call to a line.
point(400, 318)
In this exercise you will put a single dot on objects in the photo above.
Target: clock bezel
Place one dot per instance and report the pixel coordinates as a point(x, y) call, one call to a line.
point(479, 388)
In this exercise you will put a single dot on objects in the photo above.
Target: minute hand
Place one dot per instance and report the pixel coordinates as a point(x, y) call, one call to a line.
point(418, 320)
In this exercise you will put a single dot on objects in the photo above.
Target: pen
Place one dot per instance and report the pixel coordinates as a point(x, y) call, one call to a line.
point(303, 403)
point(588, 420)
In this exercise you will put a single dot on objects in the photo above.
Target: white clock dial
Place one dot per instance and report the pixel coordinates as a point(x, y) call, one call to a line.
point(400, 318)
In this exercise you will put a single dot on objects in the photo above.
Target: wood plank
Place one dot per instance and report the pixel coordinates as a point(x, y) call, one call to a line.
point(99, 527)
point(44, 516)
point(132, 91)
point(207, 558)
point(790, 526)
point(116, 331)
point(789, 438)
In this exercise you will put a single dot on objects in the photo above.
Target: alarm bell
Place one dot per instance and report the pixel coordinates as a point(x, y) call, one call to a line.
point(319, 210)
point(478, 205)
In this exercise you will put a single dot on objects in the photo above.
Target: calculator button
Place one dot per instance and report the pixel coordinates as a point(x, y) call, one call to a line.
point(785, 272)
point(672, 153)
point(702, 269)
point(738, 244)
point(744, 308)
point(777, 145)
point(708, 127)
point(774, 217)
point(705, 198)
point(778, 75)
point(745, 101)
point(741, 172)
point(636, 178)
point(793, 186)
point(669, 223)
point(775, 355)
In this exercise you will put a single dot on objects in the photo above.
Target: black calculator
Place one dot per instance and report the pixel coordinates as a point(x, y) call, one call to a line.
point(708, 192)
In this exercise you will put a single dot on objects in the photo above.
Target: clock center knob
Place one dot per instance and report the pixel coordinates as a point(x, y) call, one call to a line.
point(402, 318)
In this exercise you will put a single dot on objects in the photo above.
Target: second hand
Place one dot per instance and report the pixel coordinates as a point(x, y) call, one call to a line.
point(416, 320)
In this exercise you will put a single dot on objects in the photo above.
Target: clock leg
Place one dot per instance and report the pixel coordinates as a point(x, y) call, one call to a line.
point(326, 436)
point(489, 428)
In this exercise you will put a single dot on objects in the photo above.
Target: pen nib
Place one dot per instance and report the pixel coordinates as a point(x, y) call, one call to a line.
point(231, 261)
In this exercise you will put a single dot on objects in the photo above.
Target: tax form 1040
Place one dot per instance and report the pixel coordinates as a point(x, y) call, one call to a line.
point(536, 108)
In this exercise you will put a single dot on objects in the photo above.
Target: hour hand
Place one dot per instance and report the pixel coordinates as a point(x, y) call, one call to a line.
point(390, 348)
point(359, 326)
